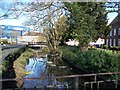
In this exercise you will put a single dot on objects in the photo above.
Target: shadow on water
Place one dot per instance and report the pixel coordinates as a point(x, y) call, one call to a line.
point(10, 73)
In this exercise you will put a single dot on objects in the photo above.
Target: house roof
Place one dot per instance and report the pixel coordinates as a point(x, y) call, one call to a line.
point(33, 34)
point(117, 19)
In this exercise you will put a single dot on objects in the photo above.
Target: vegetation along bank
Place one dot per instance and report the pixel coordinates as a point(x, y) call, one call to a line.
point(93, 60)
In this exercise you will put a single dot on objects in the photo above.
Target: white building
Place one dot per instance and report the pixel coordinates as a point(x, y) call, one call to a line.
point(72, 42)
point(99, 42)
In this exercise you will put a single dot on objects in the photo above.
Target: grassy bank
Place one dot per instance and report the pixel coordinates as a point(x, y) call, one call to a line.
point(7, 64)
point(93, 61)
point(20, 63)
point(14, 64)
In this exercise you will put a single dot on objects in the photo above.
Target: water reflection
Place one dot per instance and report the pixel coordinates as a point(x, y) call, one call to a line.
point(36, 67)
point(50, 67)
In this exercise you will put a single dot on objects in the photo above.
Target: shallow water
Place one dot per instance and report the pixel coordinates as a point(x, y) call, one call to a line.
point(40, 67)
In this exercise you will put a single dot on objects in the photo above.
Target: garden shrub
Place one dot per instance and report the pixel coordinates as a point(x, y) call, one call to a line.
point(94, 61)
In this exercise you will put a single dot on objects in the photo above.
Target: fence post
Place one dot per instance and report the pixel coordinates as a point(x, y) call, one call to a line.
point(84, 86)
point(98, 85)
point(95, 78)
point(76, 83)
point(116, 84)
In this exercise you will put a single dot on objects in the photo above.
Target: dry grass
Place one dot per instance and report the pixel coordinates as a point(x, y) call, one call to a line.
point(20, 63)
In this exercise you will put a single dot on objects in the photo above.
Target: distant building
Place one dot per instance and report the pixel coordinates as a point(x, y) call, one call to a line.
point(72, 42)
point(6, 30)
point(31, 37)
point(113, 39)
point(11, 33)
point(98, 43)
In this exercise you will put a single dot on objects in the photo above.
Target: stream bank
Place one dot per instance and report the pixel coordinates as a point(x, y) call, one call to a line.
point(34, 63)
point(7, 67)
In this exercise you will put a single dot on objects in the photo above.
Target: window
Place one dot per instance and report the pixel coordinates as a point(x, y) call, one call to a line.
point(110, 42)
point(118, 42)
point(119, 31)
point(114, 32)
point(114, 42)
point(111, 33)
point(107, 42)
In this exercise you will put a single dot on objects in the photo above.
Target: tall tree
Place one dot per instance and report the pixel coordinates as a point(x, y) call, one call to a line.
point(55, 32)
point(50, 18)
point(89, 21)
point(86, 19)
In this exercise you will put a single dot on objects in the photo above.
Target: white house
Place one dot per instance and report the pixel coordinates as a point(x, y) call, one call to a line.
point(72, 42)
point(99, 42)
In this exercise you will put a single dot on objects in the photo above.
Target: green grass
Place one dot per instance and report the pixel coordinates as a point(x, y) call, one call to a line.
point(7, 64)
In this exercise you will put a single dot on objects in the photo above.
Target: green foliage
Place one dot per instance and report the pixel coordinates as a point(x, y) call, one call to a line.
point(27, 72)
point(55, 33)
point(4, 41)
point(25, 56)
point(7, 64)
point(44, 49)
point(23, 61)
point(104, 46)
point(94, 61)
point(87, 20)
point(114, 48)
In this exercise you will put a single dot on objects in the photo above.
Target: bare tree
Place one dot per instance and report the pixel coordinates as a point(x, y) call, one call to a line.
point(47, 17)
point(7, 10)
point(54, 33)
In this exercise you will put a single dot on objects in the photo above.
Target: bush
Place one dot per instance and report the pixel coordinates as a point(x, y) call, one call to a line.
point(5, 65)
point(105, 46)
point(4, 41)
point(93, 61)
point(114, 48)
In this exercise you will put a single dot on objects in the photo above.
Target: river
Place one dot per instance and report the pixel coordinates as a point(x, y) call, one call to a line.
point(38, 67)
